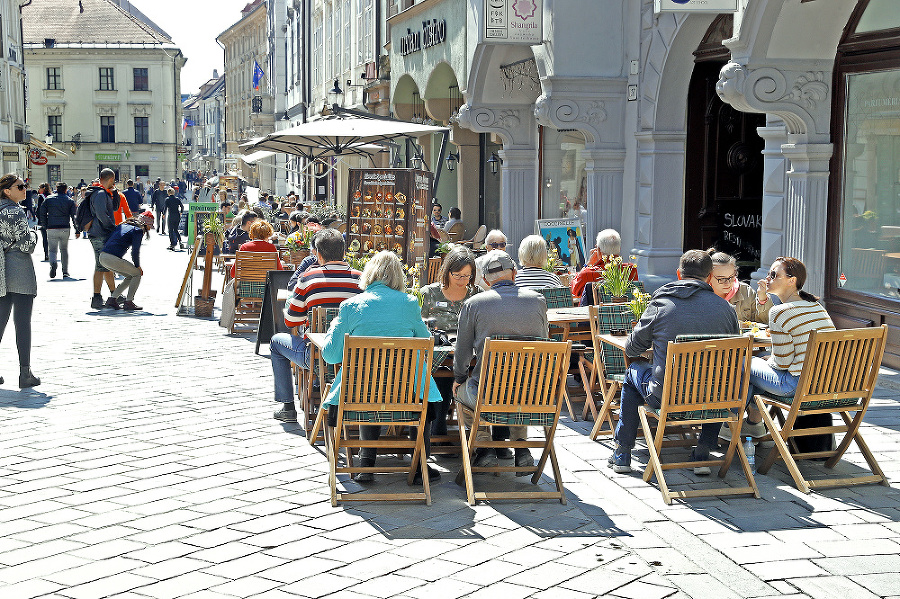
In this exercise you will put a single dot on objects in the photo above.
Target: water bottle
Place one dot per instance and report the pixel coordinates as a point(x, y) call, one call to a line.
point(750, 450)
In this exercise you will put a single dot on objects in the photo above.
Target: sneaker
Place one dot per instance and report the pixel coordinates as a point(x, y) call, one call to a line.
point(748, 429)
point(700, 454)
point(524, 459)
point(97, 301)
point(66, 275)
point(286, 415)
point(434, 475)
point(112, 303)
point(620, 460)
point(504, 453)
point(484, 458)
point(130, 306)
point(53, 270)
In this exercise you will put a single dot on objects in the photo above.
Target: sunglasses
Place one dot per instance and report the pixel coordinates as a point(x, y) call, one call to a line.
point(497, 244)
point(774, 275)
point(19, 186)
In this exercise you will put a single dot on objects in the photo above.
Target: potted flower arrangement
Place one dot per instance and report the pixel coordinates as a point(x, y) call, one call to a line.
point(638, 304)
point(615, 277)
point(297, 244)
point(214, 236)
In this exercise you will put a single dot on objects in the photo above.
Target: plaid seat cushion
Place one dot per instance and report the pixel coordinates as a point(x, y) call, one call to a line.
point(439, 356)
point(519, 338)
point(379, 416)
point(248, 289)
point(519, 418)
point(694, 414)
point(817, 403)
point(557, 297)
point(702, 337)
point(613, 318)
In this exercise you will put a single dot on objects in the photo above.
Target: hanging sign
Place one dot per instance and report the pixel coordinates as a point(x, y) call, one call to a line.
point(513, 22)
point(37, 157)
point(709, 6)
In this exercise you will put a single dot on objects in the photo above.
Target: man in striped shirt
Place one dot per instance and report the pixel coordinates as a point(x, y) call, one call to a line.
point(326, 286)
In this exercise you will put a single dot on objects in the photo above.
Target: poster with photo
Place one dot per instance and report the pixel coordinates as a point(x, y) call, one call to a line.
point(566, 236)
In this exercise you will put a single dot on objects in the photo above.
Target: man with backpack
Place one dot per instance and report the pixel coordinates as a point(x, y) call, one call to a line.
point(101, 205)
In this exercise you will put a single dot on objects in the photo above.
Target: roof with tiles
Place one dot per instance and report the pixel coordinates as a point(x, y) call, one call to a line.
point(88, 22)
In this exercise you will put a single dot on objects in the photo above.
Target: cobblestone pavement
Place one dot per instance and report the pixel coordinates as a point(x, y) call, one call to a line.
point(147, 464)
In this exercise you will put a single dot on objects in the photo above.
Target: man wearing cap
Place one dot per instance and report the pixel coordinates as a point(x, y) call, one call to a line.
point(503, 309)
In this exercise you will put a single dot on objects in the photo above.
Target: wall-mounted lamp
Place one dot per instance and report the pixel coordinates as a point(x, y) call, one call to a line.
point(452, 159)
point(548, 182)
point(336, 89)
point(416, 161)
point(494, 162)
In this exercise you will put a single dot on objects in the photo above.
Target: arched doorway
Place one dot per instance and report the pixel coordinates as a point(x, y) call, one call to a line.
point(723, 166)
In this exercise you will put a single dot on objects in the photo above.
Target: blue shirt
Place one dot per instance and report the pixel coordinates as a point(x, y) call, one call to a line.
point(133, 197)
point(123, 237)
point(379, 311)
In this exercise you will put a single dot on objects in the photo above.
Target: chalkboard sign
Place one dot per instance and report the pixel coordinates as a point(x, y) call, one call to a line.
point(195, 209)
point(740, 232)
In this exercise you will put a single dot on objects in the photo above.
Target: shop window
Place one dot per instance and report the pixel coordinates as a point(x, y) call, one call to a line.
point(879, 15)
point(54, 175)
point(870, 232)
point(563, 185)
point(142, 170)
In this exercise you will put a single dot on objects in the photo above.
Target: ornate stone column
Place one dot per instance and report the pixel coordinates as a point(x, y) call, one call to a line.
point(772, 239)
point(467, 173)
point(603, 170)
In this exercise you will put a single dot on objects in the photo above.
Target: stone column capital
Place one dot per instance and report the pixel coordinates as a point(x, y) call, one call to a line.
point(514, 124)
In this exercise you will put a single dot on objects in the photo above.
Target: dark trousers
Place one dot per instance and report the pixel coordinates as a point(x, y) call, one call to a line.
point(174, 237)
point(20, 305)
point(44, 243)
point(160, 221)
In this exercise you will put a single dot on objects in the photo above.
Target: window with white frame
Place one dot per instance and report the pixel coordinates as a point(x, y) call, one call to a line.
point(336, 39)
point(365, 13)
point(317, 52)
point(54, 78)
point(347, 37)
point(329, 71)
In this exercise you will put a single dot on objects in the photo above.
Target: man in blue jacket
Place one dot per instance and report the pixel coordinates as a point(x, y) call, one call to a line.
point(55, 213)
point(133, 197)
point(688, 306)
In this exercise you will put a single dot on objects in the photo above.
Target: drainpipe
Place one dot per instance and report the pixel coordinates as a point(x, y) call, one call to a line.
point(224, 106)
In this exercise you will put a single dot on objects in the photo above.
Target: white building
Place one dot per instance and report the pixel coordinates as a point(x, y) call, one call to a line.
point(105, 85)
point(14, 137)
point(204, 127)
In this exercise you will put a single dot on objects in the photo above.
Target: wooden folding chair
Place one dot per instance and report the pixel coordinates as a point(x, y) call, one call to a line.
point(319, 320)
point(434, 269)
point(839, 376)
point(385, 380)
point(249, 287)
point(705, 382)
point(561, 297)
point(607, 367)
point(521, 383)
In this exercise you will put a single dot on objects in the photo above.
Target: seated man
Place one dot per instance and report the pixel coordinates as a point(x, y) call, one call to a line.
point(609, 243)
point(238, 236)
point(488, 314)
point(685, 307)
point(328, 285)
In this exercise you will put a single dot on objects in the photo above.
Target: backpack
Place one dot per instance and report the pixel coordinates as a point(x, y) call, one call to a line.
point(84, 217)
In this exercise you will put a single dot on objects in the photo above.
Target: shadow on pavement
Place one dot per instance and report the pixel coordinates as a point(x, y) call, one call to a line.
point(122, 313)
point(26, 399)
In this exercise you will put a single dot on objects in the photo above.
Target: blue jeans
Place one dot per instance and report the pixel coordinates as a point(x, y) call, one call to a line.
point(770, 381)
point(634, 394)
point(285, 348)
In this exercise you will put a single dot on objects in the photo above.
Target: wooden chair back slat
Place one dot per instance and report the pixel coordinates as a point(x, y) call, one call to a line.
point(387, 371)
point(434, 269)
point(522, 376)
point(840, 364)
point(706, 375)
point(253, 266)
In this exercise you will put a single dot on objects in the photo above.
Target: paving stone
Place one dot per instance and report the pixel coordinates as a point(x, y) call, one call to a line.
point(832, 587)
point(870, 564)
point(108, 586)
point(642, 590)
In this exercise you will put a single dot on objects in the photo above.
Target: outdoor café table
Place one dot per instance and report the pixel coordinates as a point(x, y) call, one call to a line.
point(619, 341)
point(568, 319)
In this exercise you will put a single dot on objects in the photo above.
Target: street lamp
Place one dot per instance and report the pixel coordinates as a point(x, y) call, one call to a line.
point(417, 161)
point(336, 90)
point(452, 159)
point(48, 138)
point(494, 162)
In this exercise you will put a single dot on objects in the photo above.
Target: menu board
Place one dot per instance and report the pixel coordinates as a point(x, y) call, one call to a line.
point(387, 210)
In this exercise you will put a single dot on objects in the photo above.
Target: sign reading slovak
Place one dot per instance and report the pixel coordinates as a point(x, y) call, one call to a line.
point(37, 157)
point(711, 6)
point(513, 22)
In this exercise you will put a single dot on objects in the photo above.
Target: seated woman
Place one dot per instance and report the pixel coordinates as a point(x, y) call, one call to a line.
point(750, 305)
point(260, 232)
point(295, 221)
point(442, 301)
point(533, 257)
point(383, 309)
point(790, 324)
point(455, 217)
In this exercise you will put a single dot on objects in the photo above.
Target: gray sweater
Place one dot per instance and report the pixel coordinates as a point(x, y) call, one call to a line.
point(18, 243)
point(688, 307)
point(504, 309)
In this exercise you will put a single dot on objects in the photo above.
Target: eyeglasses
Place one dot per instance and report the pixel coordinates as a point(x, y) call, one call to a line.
point(460, 275)
point(497, 245)
point(726, 280)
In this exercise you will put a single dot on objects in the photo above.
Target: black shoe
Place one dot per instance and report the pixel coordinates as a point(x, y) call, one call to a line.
point(700, 454)
point(366, 477)
point(97, 301)
point(130, 306)
point(112, 303)
point(433, 476)
point(286, 415)
point(53, 270)
point(524, 459)
point(504, 453)
point(66, 275)
point(26, 379)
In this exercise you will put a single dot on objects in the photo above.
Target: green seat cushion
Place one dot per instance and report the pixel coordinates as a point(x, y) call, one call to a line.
point(379, 416)
point(694, 414)
point(251, 289)
point(519, 418)
point(619, 378)
point(815, 404)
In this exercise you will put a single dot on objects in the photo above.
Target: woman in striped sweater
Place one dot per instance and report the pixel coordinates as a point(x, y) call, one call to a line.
point(790, 324)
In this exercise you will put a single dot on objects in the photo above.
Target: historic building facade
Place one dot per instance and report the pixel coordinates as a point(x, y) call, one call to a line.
point(113, 102)
point(14, 136)
point(204, 127)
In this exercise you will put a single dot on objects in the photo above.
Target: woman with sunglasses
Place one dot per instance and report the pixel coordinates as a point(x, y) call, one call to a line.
point(790, 324)
point(443, 301)
point(18, 285)
point(750, 305)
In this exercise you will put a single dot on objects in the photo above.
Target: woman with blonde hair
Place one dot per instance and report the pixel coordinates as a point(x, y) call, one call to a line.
point(383, 309)
point(18, 284)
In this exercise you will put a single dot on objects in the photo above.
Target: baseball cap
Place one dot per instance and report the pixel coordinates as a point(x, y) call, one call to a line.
point(498, 261)
point(147, 218)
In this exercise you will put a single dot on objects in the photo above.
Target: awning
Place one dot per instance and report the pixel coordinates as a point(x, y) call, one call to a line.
point(35, 142)
point(256, 156)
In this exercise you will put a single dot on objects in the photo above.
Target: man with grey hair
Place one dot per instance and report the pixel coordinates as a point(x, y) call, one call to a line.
point(326, 286)
point(608, 244)
point(503, 309)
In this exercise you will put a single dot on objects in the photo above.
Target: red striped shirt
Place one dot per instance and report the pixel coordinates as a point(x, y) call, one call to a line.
point(327, 286)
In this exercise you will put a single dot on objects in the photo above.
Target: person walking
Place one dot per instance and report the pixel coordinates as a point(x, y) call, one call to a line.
point(173, 210)
point(43, 194)
point(18, 284)
point(133, 197)
point(158, 203)
point(102, 207)
point(127, 235)
point(56, 212)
